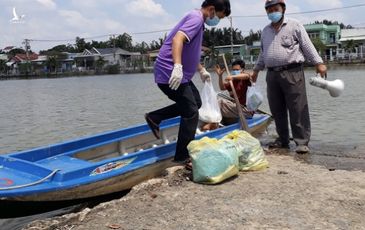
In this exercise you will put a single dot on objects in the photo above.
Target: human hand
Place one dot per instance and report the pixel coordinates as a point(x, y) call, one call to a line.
point(176, 77)
point(322, 70)
point(229, 78)
point(205, 75)
point(219, 71)
point(254, 76)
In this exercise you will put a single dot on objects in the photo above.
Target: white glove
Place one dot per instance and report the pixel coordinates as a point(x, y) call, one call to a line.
point(204, 75)
point(176, 77)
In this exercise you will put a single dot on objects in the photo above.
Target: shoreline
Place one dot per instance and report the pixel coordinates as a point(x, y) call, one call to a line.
point(288, 195)
point(146, 70)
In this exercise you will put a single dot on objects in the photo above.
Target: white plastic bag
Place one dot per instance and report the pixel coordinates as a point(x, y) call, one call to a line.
point(254, 98)
point(209, 111)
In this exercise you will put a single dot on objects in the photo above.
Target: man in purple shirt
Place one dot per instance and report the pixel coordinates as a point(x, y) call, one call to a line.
point(176, 65)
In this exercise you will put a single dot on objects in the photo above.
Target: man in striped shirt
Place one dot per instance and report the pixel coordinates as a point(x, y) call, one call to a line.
point(285, 46)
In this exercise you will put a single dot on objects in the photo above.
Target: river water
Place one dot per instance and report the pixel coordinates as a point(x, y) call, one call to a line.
point(39, 112)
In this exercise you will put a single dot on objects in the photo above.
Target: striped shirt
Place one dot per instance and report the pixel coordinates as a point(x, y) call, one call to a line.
point(291, 44)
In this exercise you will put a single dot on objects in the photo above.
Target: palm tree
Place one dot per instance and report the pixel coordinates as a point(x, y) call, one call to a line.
point(51, 63)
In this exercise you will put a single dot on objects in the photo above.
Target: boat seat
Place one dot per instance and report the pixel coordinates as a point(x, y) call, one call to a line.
point(64, 162)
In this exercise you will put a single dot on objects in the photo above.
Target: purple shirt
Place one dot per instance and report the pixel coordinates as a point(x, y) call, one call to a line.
point(192, 25)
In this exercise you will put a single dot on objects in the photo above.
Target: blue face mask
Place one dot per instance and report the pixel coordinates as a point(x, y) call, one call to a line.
point(236, 72)
point(212, 21)
point(275, 16)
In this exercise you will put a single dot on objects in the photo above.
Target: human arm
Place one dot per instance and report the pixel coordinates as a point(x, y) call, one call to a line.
point(177, 72)
point(241, 76)
point(204, 74)
point(260, 65)
point(177, 47)
point(219, 71)
point(254, 76)
point(309, 51)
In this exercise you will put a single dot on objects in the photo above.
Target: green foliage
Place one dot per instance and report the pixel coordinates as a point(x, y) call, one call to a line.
point(60, 48)
point(113, 69)
point(99, 65)
point(15, 51)
point(3, 66)
point(329, 22)
point(350, 46)
point(253, 36)
point(52, 63)
point(318, 44)
point(24, 68)
point(81, 44)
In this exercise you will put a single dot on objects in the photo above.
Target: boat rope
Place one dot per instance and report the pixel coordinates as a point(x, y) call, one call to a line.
point(33, 183)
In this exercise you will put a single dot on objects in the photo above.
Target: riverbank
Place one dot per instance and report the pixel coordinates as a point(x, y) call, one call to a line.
point(342, 63)
point(287, 195)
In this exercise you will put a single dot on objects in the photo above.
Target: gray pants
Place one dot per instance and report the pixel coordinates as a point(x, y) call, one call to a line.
point(229, 109)
point(286, 91)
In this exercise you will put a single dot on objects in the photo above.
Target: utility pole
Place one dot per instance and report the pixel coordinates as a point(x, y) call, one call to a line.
point(113, 37)
point(230, 20)
point(27, 48)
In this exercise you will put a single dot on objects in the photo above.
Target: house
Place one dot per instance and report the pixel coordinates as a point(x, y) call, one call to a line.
point(91, 58)
point(8, 49)
point(17, 64)
point(353, 43)
point(237, 51)
point(68, 63)
point(240, 51)
point(3, 57)
point(329, 35)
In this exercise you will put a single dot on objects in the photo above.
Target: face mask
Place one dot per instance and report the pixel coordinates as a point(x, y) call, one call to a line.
point(212, 21)
point(236, 72)
point(275, 16)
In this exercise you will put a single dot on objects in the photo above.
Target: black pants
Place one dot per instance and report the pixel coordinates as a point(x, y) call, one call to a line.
point(286, 91)
point(187, 103)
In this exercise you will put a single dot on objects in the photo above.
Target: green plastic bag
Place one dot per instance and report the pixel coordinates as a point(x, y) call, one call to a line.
point(250, 153)
point(213, 160)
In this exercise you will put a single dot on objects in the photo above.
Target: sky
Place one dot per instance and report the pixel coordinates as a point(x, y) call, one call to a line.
point(66, 19)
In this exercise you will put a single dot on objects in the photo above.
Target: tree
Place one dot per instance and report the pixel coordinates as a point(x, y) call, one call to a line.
point(81, 45)
point(53, 60)
point(3, 66)
point(15, 51)
point(60, 48)
point(350, 46)
point(318, 44)
point(99, 64)
point(141, 47)
point(253, 36)
point(123, 41)
point(329, 22)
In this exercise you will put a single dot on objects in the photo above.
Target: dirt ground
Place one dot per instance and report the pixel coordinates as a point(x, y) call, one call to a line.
point(287, 195)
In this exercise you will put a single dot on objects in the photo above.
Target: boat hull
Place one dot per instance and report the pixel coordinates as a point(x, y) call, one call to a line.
point(96, 171)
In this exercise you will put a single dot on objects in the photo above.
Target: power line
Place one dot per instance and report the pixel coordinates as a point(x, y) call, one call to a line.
point(166, 30)
point(73, 39)
point(95, 37)
point(152, 32)
point(304, 12)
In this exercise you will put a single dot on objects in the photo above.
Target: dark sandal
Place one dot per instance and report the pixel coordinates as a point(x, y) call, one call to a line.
point(153, 126)
point(277, 144)
point(188, 165)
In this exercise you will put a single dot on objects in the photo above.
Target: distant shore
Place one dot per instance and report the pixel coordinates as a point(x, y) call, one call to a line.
point(360, 63)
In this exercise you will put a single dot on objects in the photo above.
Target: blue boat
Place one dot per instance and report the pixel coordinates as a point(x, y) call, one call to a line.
point(97, 165)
